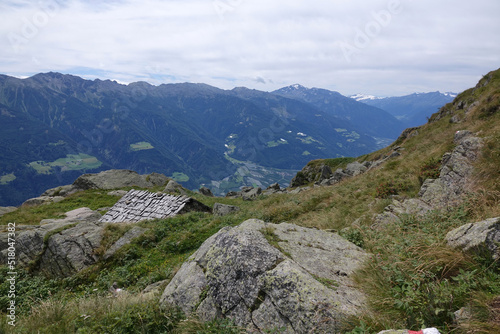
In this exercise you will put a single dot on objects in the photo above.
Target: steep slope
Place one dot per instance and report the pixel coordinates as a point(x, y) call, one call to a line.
point(306, 130)
point(412, 110)
point(396, 211)
point(372, 121)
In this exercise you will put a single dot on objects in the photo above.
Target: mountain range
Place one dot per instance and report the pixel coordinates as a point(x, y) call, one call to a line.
point(55, 127)
point(412, 110)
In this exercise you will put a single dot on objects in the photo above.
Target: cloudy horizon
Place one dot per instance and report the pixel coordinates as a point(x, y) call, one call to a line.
point(384, 48)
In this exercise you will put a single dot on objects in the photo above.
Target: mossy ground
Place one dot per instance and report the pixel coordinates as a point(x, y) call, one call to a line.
point(413, 280)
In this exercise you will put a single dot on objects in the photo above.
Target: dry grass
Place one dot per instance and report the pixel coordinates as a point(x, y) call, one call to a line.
point(98, 313)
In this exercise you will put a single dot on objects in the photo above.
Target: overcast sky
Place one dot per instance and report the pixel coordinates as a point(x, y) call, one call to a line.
point(379, 47)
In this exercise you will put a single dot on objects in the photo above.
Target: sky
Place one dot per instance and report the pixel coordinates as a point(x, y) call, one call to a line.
point(378, 47)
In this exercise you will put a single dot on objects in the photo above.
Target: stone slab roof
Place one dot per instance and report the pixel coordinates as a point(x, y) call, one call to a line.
point(138, 205)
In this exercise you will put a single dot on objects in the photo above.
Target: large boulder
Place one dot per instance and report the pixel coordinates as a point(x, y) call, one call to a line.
point(71, 250)
point(479, 237)
point(355, 168)
point(59, 247)
point(264, 276)
point(119, 178)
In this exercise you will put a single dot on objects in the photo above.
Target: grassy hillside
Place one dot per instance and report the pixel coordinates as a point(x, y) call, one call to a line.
point(413, 280)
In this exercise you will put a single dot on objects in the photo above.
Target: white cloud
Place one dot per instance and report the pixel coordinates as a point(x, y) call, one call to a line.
point(421, 46)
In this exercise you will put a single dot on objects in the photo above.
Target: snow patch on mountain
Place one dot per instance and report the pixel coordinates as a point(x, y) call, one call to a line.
point(362, 97)
point(366, 97)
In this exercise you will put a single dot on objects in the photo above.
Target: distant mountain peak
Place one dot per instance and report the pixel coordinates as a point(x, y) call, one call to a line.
point(363, 97)
point(292, 88)
point(450, 94)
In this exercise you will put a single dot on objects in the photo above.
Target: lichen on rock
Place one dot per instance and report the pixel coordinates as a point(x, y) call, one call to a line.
point(479, 237)
point(239, 275)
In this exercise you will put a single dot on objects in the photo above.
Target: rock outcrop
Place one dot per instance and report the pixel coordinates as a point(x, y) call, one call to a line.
point(322, 174)
point(273, 189)
point(59, 247)
point(107, 180)
point(247, 193)
point(456, 170)
point(119, 178)
point(446, 191)
point(173, 187)
point(266, 276)
point(482, 237)
point(311, 173)
point(63, 247)
point(71, 250)
point(206, 192)
point(139, 205)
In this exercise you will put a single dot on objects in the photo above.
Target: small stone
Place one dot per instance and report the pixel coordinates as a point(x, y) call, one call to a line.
point(462, 315)
point(224, 209)
point(250, 193)
point(118, 193)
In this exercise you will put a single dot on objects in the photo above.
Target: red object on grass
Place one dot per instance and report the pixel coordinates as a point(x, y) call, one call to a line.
point(413, 332)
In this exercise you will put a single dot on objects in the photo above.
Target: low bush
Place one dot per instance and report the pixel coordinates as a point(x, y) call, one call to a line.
point(390, 188)
point(429, 170)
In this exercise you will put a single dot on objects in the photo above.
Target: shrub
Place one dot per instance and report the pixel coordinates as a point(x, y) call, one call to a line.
point(390, 188)
point(353, 236)
point(429, 170)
